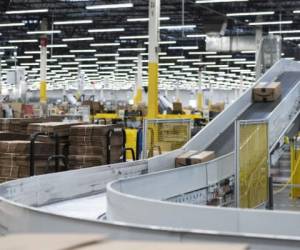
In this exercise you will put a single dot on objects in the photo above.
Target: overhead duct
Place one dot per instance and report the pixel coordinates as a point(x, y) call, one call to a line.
point(230, 44)
point(214, 26)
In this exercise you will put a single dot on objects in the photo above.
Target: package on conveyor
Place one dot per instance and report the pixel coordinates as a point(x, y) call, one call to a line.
point(193, 157)
point(88, 145)
point(267, 92)
point(15, 159)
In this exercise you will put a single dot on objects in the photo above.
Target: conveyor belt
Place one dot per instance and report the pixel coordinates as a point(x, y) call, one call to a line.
point(224, 144)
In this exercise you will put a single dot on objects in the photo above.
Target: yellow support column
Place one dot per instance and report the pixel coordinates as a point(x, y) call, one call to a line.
point(154, 36)
point(138, 98)
point(200, 93)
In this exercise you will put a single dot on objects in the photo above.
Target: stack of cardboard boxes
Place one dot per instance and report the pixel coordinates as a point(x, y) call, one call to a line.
point(14, 159)
point(89, 146)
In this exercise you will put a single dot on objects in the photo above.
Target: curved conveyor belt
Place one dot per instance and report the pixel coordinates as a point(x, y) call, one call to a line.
point(143, 213)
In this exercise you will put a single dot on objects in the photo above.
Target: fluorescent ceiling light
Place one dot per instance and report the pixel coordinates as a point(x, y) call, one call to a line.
point(134, 37)
point(107, 62)
point(63, 56)
point(271, 23)
point(248, 52)
point(109, 6)
point(83, 51)
point(8, 47)
point(24, 41)
point(259, 13)
point(45, 32)
point(34, 52)
point(196, 35)
point(68, 63)
point(184, 47)
point(296, 11)
point(292, 38)
point(177, 27)
point(72, 22)
point(57, 45)
point(107, 55)
point(23, 57)
point(106, 30)
point(12, 12)
point(219, 56)
point(146, 19)
point(171, 57)
point(284, 31)
point(11, 24)
point(104, 44)
point(75, 39)
point(202, 53)
point(189, 60)
point(131, 49)
point(163, 42)
point(204, 63)
point(85, 59)
point(220, 1)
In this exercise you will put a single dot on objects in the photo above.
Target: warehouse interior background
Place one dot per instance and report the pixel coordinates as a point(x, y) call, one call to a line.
point(150, 123)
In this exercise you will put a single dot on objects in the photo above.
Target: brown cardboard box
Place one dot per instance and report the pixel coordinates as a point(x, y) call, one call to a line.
point(177, 107)
point(267, 93)
point(184, 159)
point(96, 242)
point(202, 157)
point(217, 107)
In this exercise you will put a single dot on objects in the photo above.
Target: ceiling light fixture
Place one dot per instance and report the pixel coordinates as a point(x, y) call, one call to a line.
point(106, 30)
point(270, 23)
point(12, 12)
point(259, 13)
point(11, 24)
point(75, 39)
point(109, 6)
point(45, 32)
point(72, 22)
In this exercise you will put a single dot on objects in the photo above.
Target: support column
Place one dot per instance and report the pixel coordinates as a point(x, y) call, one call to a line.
point(241, 84)
point(200, 92)
point(43, 71)
point(154, 36)
point(138, 98)
point(258, 54)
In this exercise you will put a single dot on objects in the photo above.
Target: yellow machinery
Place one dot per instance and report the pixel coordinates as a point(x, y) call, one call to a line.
point(295, 169)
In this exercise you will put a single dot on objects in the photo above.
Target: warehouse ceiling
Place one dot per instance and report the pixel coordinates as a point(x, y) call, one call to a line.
point(114, 66)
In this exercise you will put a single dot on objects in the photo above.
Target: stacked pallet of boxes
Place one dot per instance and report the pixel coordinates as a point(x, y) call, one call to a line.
point(14, 159)
point(88, 146)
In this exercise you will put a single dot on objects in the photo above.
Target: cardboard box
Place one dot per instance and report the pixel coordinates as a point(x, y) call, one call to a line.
point(202, 157)
point(217, 107)
point(267, 93)
point(93, 242)
point(177, 107)
point(184, 159)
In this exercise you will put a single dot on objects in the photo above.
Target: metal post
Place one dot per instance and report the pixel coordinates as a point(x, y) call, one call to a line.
point(138, 98)
point(43, 70)
point(200, 92)
point(154, 36)
point(258, 55)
